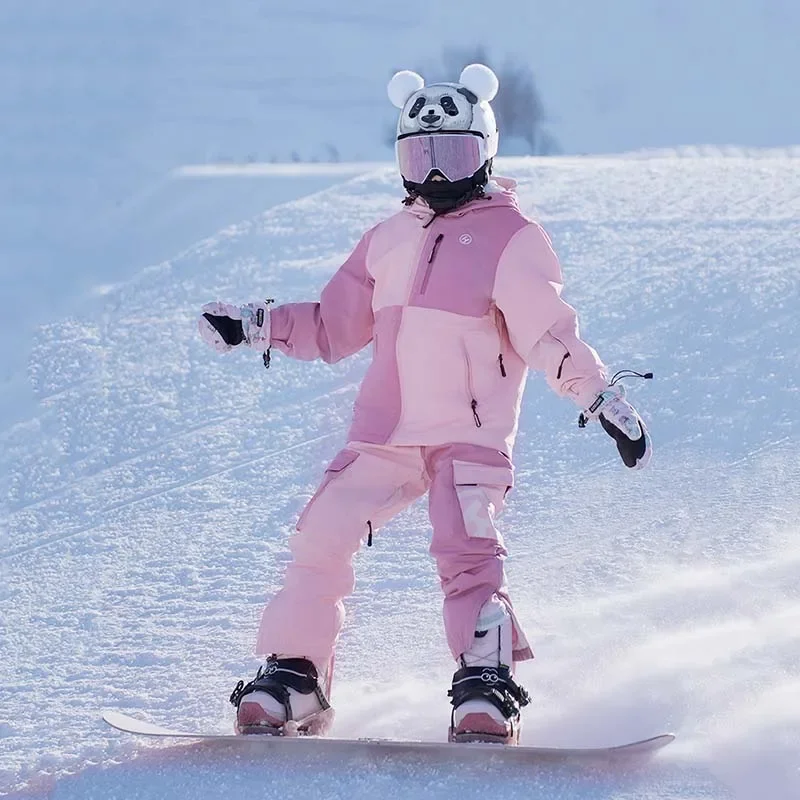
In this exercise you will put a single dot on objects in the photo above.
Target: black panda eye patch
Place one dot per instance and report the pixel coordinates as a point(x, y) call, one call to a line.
point(471, 96)
point(419, 104)
point(449, 106)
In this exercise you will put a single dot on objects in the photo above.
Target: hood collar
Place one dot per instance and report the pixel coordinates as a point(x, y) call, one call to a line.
point(500, 192)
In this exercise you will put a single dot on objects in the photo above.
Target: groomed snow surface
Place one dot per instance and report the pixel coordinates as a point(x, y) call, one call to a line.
point(150, 490)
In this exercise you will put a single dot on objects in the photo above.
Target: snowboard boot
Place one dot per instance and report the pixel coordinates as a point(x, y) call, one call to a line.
point(284, 699)
point(486, 700)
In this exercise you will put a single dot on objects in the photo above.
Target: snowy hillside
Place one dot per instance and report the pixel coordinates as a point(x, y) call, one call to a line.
point(149, 493)
point(101, 100)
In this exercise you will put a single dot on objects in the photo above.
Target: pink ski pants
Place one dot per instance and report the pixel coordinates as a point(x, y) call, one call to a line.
point(364, 487)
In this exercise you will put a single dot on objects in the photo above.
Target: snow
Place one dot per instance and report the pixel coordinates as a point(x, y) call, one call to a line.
point(102, 100)
point(149, 487)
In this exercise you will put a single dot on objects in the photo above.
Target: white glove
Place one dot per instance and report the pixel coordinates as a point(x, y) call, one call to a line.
point(224, 326)
point(622, 423)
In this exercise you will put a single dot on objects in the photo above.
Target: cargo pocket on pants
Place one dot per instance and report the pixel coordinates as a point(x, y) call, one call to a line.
point(342, 460)
point(481, 491)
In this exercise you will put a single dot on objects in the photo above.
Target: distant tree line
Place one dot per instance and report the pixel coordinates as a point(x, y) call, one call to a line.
point(518, 107)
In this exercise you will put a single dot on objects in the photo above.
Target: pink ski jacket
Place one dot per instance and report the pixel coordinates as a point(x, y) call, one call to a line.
point(457, 308)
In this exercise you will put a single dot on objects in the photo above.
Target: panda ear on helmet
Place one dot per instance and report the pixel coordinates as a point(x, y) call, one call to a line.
point(402, 85)
point(480, 80)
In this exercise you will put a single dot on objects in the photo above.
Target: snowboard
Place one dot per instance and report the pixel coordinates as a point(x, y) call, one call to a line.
point(427, 750)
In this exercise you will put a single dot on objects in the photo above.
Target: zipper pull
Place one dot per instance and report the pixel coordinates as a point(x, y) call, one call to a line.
point(502, 366)
point(561, 366)
point(436, 243)
point(474, 406)
point(369, 535)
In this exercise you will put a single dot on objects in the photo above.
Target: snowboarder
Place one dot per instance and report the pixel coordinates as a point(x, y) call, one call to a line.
point(460, 294)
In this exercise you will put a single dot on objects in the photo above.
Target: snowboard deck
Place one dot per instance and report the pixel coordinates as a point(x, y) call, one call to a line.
point(430, 750)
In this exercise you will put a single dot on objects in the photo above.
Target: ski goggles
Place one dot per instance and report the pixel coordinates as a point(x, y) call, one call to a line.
point(456, 155)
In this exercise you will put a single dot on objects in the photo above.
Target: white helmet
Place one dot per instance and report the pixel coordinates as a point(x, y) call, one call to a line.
point(446, 136)
point(445, 107)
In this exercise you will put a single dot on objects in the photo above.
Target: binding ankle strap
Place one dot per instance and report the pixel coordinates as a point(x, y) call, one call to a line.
point(494, 684)
point(277, 676)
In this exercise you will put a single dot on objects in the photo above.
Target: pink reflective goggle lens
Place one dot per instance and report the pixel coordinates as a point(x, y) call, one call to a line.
point(455, 155)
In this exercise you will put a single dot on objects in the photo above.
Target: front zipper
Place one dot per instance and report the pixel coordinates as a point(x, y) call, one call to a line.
point(499, 325)
point(431, 256)
point(471, 389)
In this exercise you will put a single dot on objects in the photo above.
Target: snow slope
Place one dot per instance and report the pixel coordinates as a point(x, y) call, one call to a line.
point(101, 100)
point(148, 494)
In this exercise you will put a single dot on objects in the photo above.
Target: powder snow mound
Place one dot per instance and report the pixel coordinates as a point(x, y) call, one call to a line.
point(150, 492)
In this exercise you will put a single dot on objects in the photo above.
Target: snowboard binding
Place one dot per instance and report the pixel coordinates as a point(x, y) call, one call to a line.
point(492, 685)
point(282, 688)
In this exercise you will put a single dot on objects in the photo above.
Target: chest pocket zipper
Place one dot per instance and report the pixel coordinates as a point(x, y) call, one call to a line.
point(427, 276)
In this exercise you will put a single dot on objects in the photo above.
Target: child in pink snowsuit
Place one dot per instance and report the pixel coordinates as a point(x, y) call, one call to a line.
point(460, 294)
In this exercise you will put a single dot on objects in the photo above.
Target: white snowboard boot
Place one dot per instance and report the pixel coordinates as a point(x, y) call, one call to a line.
point(486, 700)
point(288, 697)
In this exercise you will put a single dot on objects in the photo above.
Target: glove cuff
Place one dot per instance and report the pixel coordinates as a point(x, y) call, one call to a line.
point(596, 407)
point(256, 325)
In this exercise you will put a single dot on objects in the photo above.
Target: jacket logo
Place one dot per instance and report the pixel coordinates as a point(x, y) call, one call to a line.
point(465, 238)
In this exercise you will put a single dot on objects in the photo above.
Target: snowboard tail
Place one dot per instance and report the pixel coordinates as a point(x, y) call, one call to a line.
point(432, 750)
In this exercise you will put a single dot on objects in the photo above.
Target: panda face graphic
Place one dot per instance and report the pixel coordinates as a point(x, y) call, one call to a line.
point(440, 107)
